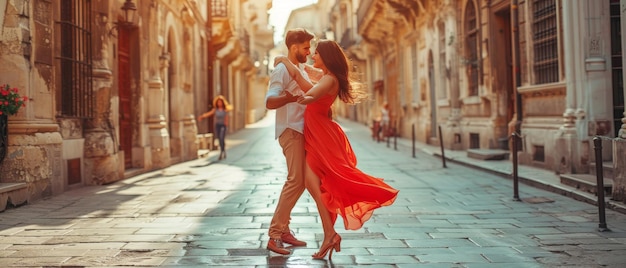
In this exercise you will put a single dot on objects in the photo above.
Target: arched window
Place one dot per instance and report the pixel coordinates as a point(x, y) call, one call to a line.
point(471, 48)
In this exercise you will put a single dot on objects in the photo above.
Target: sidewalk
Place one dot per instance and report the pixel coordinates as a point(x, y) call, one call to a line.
point(527, 175)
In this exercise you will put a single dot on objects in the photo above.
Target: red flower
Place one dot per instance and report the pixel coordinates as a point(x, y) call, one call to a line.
point(10, 100)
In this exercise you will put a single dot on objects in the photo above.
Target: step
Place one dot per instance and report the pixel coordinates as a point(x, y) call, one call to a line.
point(488, 154)
point(607, 169)
point(586, 182)
point(13, 195)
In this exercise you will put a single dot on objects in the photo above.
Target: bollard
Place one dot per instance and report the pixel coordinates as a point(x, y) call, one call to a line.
point(514, 137)
point(413, 138)
point(443, 153)
point(395, 139)
point(597, 141)
point(387, 135)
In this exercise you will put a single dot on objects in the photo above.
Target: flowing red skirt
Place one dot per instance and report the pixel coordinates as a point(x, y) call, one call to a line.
point(346, 190)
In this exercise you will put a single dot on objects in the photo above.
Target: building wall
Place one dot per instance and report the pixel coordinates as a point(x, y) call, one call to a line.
point(52, 153)
point(558, 119)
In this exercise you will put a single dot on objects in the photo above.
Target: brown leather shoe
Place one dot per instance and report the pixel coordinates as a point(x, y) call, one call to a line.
point(276, 245)
point(290, 239)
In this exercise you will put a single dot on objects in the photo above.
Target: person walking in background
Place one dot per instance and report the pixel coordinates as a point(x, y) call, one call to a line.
point(332, 178)
point(220, 111)
point(385, 119)
point(282, 95)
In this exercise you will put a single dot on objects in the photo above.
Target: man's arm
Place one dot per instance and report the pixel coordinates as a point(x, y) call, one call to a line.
point(277, 101)
point(276, 95)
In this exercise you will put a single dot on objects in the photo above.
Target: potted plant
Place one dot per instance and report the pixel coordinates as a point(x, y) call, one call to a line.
point(10, 104)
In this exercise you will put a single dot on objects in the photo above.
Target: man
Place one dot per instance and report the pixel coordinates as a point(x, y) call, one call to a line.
point(282, 95)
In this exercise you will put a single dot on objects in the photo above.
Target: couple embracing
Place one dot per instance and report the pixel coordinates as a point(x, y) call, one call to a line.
point(318, 154)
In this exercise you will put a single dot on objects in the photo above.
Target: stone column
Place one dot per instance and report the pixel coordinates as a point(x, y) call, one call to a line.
point(34, 151)
point(157, 125)
point(566, 136)
point(454, 140)
point(102, 163)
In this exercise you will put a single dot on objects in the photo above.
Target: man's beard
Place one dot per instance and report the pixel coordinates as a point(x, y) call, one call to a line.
point(301, 58)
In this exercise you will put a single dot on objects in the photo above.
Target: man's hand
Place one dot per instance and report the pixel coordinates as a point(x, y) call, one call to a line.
point(290, 97)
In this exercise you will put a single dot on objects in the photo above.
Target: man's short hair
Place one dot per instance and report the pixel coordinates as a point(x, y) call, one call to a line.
point(297, 36)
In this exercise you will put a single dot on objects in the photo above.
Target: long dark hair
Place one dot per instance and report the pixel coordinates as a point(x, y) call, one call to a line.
point(337, 63)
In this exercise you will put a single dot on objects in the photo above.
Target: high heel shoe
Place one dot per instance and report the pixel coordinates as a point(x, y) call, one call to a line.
point(333, 244)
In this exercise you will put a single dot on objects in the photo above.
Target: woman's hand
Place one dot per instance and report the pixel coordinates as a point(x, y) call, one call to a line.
point(305, 99)
point(284, 60)
point(279, 59)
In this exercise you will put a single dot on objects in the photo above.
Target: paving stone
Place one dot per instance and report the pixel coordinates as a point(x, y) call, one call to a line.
point(195, 214)
point(459, 258)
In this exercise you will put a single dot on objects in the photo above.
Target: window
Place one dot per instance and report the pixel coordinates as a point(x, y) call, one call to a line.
point(471, 48)
point(75, 98)
point(617, 68)
point(544, 32)
point(219, 8)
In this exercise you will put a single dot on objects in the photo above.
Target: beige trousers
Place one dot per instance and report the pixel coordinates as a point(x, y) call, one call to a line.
point(292, 143)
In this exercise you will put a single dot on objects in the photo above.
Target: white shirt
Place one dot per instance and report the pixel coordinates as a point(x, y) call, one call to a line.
point(290, 115)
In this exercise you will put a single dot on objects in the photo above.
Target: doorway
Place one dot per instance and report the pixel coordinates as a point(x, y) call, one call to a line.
point(125, 101)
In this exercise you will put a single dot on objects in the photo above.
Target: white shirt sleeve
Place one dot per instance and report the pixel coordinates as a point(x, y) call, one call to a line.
point(279, 79)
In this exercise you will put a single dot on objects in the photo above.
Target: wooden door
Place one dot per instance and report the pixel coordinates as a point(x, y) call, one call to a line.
point(124, 86)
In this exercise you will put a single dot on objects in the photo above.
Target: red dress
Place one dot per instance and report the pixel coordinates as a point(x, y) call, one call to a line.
point(346, 190)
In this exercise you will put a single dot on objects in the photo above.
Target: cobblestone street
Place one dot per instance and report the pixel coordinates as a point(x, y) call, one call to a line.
point(206, 213)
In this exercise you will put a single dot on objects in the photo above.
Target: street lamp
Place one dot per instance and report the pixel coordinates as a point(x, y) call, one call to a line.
point(129, 9)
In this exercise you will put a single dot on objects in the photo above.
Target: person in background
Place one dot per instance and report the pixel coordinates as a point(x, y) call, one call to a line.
point(220, 112)
point(385, 119)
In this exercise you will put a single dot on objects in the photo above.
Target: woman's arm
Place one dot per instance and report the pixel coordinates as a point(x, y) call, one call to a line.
point(207, 114)
point(314, 74)
point(326, 85)
point(294, 72)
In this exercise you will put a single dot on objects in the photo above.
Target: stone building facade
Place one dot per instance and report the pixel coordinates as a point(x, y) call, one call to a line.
point(550, 70)
point(116, 85)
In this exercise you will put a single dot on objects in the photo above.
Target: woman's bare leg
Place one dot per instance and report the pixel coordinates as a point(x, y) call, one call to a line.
point(312, 183)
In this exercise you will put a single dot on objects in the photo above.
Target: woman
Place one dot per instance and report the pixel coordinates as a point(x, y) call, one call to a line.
point(220, 111)
point(384, 120)
point(331, 176)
